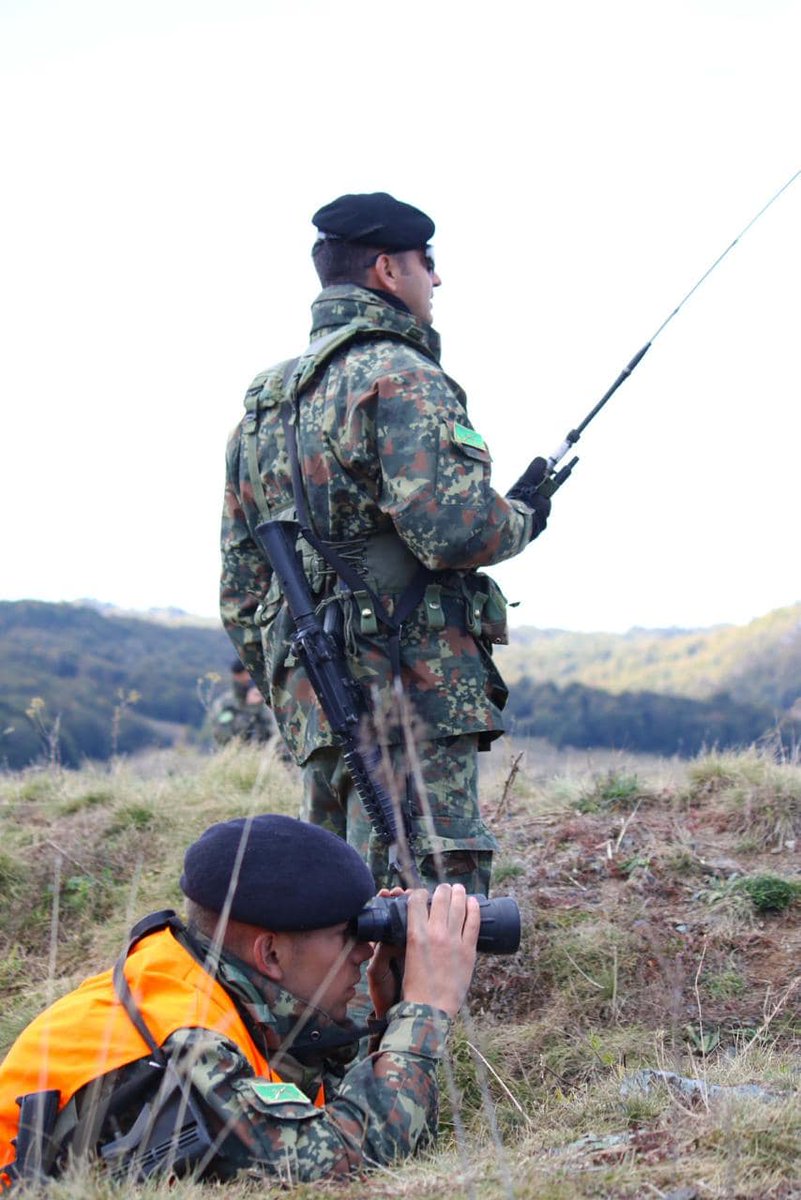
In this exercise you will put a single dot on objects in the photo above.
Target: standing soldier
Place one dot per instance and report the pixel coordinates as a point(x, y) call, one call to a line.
point(390, 475)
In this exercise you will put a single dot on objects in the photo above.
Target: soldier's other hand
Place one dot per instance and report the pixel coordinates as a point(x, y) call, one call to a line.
point(526, 490)
point(440, 947)
point(385, 969)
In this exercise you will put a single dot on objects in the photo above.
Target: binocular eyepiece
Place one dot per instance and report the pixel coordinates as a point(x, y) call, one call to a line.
point(384, 920)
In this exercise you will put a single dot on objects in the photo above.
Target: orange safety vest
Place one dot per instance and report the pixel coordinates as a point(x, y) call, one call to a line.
point(88, 1032)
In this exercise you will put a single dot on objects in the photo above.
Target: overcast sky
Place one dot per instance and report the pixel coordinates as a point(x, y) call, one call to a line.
point(584, 163)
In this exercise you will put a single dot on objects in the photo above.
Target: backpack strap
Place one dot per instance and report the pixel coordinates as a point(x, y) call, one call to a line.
point(298, 374)
point(164, 919)
point(412, 594)
point(263, 386)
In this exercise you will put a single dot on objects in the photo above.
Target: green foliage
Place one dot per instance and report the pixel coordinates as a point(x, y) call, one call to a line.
point(766, 893)
point(725, 985)
point(610, 791)
point(11, 966)
point(11, 874)
point(90, 799)
point(770, 893)
point(637, 862)
point(701, 1038)
point(133, 816)
point(759, 798)
point(505, 871)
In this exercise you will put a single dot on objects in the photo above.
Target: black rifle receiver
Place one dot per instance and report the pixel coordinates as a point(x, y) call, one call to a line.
point(341, 698)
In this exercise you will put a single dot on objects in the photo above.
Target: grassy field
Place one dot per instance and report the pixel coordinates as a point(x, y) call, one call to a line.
point(643, 1042)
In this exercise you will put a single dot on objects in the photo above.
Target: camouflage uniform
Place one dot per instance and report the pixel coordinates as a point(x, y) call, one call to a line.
point(375, 1112)
point(396, 477)
point(382, 1108)
point(233, 717)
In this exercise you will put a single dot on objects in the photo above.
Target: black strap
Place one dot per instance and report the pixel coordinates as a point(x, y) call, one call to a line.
point(165, 919)
point(410, 597)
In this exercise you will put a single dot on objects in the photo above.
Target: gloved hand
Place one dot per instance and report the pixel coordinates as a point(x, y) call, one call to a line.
point(526, 490)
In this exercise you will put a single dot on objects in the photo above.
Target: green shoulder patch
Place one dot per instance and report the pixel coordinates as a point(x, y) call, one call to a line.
point(468, 437)
point(278, 1093)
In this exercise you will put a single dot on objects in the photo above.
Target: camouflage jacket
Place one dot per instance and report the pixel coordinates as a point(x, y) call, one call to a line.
point(231, 716)
point(395, 475)
point(380, 1109)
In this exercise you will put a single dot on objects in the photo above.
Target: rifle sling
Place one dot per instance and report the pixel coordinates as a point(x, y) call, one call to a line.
point(412, 594)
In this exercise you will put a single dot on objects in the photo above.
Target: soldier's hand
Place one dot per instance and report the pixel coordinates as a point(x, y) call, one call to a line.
point(526, 490)
point(440, 947)
point(385, 969)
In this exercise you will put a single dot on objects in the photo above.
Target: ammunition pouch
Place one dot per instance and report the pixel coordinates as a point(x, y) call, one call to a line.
point(486, 610)
point(387, 563)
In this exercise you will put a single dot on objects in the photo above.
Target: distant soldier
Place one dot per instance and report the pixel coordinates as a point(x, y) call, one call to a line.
point(241, 712)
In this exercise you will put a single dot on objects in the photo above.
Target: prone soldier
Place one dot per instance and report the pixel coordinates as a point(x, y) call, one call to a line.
point(225, 1043)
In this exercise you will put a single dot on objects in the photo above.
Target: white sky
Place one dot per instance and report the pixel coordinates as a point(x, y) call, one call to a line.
point(585, 162)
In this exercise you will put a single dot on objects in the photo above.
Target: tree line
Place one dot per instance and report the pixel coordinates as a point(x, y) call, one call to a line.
point(78, 684)
point(641, 721)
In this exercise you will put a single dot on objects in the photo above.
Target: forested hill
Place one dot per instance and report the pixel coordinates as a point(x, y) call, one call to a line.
point(758, 663)
point(77, 683)
point(664, 691)
point(81, 683)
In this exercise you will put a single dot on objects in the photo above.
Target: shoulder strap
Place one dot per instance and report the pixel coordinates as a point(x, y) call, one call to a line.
point(298, 375)
point(150, 924)
point(250, 430)
point(319, 353)
point(410, 597)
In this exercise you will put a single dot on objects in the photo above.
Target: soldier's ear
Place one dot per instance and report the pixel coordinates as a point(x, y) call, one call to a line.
point(268, 955)
point(385, 272)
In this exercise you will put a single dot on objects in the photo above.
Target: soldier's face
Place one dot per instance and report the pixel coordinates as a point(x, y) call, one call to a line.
point(416, 282)
point(323, 968)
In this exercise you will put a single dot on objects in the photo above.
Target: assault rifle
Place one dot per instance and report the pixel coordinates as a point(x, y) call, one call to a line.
point(341, 698)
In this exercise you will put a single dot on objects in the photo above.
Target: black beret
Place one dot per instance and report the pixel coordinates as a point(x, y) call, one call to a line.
point(374, 219)
point(292, 875)
point(237, 666)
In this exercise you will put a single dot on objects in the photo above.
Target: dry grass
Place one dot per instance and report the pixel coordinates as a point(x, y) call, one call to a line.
point(644, 949)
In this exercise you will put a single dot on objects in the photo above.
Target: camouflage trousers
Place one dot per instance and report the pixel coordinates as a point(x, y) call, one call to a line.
point(449, 840)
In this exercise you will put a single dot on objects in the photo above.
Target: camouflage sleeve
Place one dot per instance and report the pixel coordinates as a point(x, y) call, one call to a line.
point(385, 1109)
point(245, 576)
point(435, 476)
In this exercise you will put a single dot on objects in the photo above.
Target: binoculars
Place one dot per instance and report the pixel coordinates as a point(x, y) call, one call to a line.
point(384, 920)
